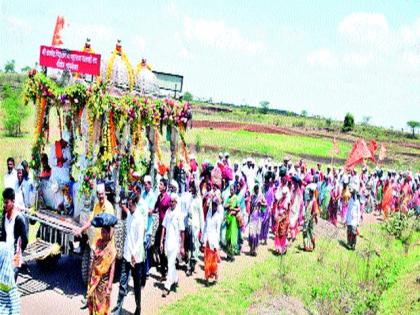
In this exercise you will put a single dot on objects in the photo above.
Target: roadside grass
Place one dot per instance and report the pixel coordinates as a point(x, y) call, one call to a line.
point(331, 280)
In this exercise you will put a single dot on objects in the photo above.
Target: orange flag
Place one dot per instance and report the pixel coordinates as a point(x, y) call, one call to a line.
point(372, 148)
point(359, 152)
point(59, 25)
point(382, 153)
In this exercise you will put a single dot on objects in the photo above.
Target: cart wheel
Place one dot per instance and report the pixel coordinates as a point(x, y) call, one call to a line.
point(49, 262)
point(85, 264)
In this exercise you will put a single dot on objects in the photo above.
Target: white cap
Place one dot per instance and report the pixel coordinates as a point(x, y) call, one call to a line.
point(147, 179)
point(226, 154)
point(175, 184)
point(285, 190)
point(192, 157)
point(174, 196)
point(100, 188)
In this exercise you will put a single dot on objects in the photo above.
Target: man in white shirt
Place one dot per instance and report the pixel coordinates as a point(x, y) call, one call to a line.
point(10, 179)
point(173, 237)
point(134, 255)
point(353, 218)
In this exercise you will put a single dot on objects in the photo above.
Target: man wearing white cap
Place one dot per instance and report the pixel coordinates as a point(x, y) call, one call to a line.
point(353, 218)
point(149, 198)
point(172, 241)
point(102, 206)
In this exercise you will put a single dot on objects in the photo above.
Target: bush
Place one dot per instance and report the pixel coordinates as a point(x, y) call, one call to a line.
point(348, 124)
point(397, 224)
point(13, 110)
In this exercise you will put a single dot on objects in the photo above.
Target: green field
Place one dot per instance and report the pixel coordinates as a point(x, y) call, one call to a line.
point(245, 143)
point(331, 280)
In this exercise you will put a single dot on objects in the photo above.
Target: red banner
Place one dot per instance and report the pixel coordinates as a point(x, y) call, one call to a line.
point(359, 152)
point(73, 60)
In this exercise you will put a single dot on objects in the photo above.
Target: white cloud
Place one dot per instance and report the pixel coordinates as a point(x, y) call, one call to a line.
point(322, 57)
point(139, 43)
point(219, 35)
point(184, 53)
point(76, 34)
point(17, 24)
point(357, 59)
point(411, 58)
point(366, 29)
point(172, 10)
point(410, 34)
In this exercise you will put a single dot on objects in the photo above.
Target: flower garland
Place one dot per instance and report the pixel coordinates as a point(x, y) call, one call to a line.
point(140, 66)
point(127, 64)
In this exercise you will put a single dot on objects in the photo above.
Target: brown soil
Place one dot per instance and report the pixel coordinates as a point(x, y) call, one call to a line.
point(282, 303)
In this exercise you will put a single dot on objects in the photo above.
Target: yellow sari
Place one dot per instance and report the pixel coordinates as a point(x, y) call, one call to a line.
point(98, 299)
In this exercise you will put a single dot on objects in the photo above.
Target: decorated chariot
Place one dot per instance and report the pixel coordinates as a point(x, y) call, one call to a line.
point(110, 129)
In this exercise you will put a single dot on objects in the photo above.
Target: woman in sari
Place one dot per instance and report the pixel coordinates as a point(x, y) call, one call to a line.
point(282, 222)
point(257, 201)
point(296, 207)
point(333, 205)
point(232, 209)
point(265, 213)
point(345, 197)
point(311, 212)
point(9, 295)
point(103, 266)
point(211, 238)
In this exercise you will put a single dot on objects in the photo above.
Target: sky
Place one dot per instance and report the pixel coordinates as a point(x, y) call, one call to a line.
point(325, 57)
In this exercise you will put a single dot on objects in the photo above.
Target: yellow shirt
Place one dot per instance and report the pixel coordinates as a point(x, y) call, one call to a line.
point(96, 233)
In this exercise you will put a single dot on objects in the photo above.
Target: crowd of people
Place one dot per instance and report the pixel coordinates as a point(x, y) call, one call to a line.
point(214, 209)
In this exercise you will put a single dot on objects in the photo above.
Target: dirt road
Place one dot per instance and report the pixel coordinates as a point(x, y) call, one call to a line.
point(59, 291)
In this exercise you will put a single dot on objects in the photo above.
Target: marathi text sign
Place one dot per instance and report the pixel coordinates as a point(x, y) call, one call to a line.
point(73, 60)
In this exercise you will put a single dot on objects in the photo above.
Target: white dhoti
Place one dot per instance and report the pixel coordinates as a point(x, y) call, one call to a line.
point(172, 276)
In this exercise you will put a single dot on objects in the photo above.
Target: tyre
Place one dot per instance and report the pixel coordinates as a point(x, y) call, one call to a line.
point(49, 262)
point(86, 261)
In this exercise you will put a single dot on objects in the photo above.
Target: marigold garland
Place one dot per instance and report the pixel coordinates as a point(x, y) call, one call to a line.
point(127, 64)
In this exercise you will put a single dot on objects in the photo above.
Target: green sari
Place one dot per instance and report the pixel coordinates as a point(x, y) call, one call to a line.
point(232, 226)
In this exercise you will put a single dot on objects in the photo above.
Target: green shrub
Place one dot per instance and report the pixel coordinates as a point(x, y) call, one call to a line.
point(13, 111)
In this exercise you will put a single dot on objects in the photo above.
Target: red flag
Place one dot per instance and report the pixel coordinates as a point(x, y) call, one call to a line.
point(372, 148)
point(59, 25)
point(336, 149)
point(359, 152)
point(382, 153)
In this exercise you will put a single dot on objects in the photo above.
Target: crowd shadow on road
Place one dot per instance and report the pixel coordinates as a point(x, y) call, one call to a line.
point(64, 278)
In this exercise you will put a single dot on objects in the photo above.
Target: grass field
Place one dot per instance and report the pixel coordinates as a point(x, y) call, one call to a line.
point(331, 280)
point(254, 115)
point(243, 143)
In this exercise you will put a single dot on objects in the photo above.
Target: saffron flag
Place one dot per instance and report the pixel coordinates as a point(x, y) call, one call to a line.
point(382, 153)
point(387, 199)
point(372, 148)
point(59, 25)
point(359, 152)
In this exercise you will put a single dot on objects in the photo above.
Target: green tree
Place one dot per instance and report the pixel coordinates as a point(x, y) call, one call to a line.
point(265, 105)
point(188, 97)
point(304, 113)
point(25, 69)
point(10, 66)
point(413, 125)
point(348, 124)
point(13, 111)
